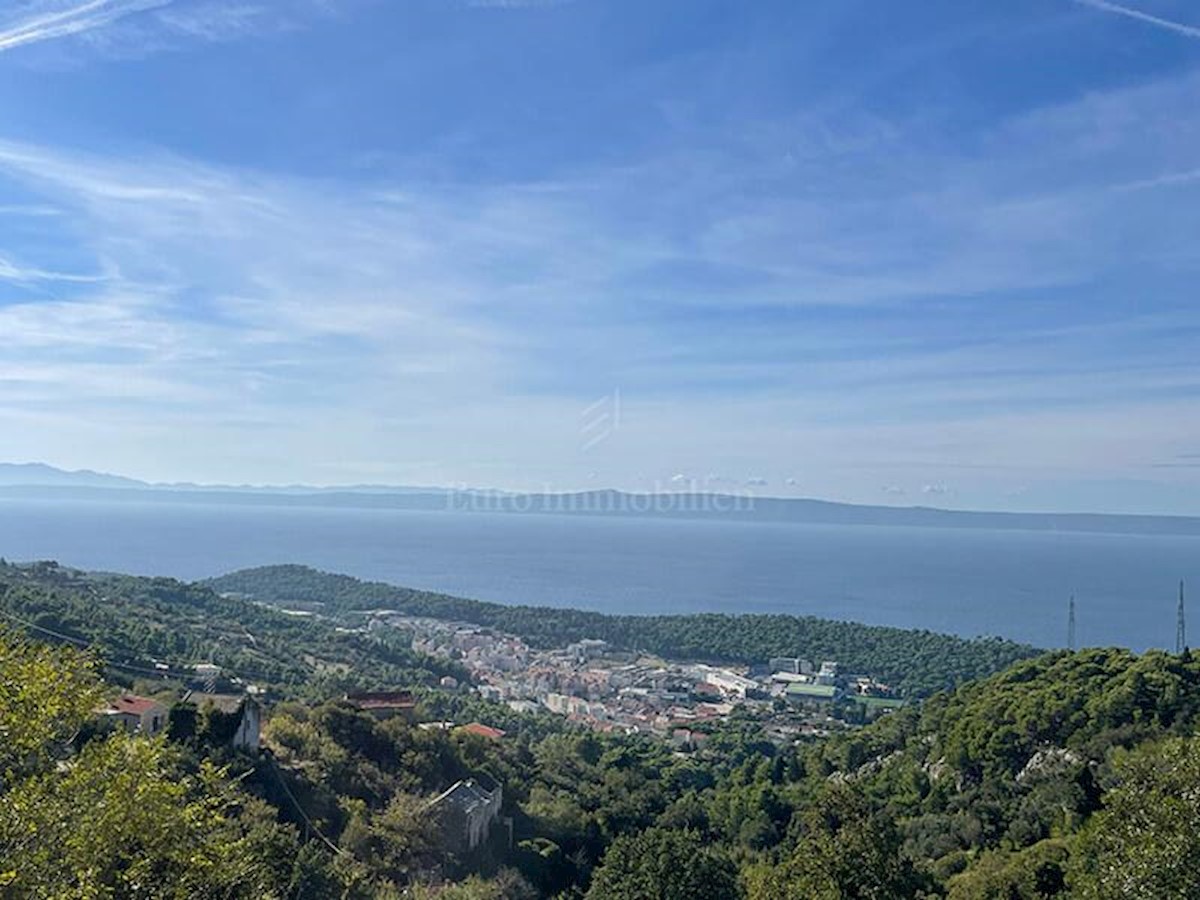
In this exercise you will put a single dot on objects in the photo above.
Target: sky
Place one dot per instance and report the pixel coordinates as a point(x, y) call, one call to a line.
point(934, 253)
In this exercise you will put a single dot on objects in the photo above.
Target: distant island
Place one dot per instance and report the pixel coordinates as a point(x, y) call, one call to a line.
point(36, 475)
point(39, 481)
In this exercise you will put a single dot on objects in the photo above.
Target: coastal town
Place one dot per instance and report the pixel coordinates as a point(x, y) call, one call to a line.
point(610, 689)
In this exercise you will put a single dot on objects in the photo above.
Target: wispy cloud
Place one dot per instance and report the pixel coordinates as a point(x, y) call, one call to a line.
point(1171, 25)
point(138, 28)
point(455, 310)
point(11, 271)
point(1170, 179)
point(218, 22)
point(49, 23)
point(31, 210)
point(820, 290)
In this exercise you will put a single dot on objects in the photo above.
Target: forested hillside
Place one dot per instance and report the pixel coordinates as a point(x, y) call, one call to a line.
point(916, 662)
point(136, 623)
point(1070, 775)
point(1065, 775)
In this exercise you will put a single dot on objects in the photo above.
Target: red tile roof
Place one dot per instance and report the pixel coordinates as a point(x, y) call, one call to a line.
point(483, 731)
point(135, 705)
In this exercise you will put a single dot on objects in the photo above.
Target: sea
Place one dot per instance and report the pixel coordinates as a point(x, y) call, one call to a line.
point(969, 582)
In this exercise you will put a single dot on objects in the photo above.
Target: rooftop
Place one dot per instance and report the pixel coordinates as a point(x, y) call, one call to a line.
point(134, 705)
point(465, 795)
point(483, 731)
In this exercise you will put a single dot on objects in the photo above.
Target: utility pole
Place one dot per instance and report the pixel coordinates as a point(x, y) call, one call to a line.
point(1071, 625)
point(1180, 625)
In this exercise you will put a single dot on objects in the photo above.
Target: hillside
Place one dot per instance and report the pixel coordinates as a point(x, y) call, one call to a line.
point(138, 623)
point(1064, 776)
point(916, 662)
point(1025, 772)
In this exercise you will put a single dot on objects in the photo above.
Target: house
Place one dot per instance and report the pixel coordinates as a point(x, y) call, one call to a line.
point(384, 704)
point(136, 715)
point(244, 733)
point(466, 811)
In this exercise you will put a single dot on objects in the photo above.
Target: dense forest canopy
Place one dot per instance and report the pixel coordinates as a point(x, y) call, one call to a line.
point(917, 663)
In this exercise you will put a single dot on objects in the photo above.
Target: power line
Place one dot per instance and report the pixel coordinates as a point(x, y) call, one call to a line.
point(79, 642)
point(66, 637)
point(158, 673)
point(300, 809)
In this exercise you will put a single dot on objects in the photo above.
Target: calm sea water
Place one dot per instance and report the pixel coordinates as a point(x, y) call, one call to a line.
point(968, 582)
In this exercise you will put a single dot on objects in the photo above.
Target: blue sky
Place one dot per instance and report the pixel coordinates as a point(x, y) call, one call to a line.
point(885, 252)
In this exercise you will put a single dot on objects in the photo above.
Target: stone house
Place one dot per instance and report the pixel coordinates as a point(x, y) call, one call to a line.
point(467, 811)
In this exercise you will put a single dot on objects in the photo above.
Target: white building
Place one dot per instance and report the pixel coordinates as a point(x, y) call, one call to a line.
point(136, 715)
point(828, 673)
point(727, 682)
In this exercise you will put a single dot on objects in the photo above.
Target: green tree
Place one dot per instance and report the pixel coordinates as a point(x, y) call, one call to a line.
point(1145, 843)
point(121, 820)
point(46, 694)
point(659, 864)
point(846, 853)
point(507, 885)
point(1035, 873)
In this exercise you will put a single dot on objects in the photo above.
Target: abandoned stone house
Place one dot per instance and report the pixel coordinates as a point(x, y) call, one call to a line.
point(244, 732)
point(467, 811)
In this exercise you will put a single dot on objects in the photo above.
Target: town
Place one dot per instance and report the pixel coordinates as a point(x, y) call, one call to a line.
point(610, 689)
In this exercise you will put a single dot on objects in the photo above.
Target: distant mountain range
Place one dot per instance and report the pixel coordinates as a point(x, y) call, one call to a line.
point(39, 481)
point(40, 475)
